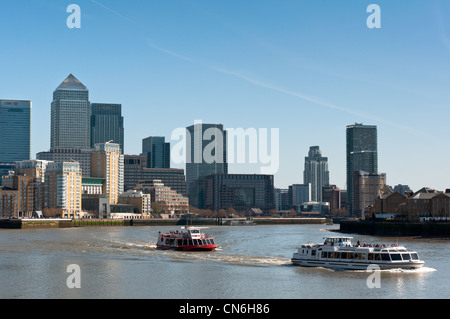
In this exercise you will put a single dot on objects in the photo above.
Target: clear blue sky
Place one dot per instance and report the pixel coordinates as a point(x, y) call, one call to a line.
point(308, 68)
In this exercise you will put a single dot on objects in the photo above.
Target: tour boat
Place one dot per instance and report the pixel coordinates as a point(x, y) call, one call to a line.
point(191, 240)
point(340, 253)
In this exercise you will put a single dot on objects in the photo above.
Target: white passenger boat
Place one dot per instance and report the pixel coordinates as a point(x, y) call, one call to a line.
point(340, 253)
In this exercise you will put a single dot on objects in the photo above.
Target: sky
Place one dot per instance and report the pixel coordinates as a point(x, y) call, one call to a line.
point(305, 67)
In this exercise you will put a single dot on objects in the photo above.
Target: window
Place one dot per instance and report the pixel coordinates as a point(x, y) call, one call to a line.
point(406, 256)
point(385, 257)
point(396, 257)
point(414, 256)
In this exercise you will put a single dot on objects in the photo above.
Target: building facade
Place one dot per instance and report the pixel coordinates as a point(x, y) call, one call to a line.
point(206, 154)
point(136, 172)
point(361, 155)
point(239, 191)
point(366, 188)
point(15, 130)
point(299, 194)
point(70, 154)
point(332, 194)
point(169, 199)
point(107, 124)
point(70, 115)
point(63, 190)
point(141, 201)
point(157, 152)
point(107, 163)
point(316, 172)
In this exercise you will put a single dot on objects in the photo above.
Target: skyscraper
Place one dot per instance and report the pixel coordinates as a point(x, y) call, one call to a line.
point(157, 152)
point(15, 131)
point(107, 124)
point(316, 172)
point(70, 115)
point(206, 146)
point(362, 155)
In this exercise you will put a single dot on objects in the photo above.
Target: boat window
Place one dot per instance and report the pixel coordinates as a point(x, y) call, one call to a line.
point(370, 257)
point(343, 255)
point(195, 241)
point(324, 254)
point(406, 256)
point(385, 257)
point(313, 252)
point(190, 242)
point(376, 257)
point(396, 257)
point(212, 241)
point(179, 242)
point(359, 256)
point(414, 256)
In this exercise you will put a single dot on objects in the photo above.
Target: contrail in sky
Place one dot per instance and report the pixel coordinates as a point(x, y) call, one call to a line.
point(240, 76)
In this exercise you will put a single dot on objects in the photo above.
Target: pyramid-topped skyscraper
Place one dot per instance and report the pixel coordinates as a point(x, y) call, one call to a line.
point(70, 115)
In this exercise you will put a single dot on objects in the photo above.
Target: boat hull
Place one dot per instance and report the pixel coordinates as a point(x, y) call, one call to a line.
point(187, 247)
point(355, 266)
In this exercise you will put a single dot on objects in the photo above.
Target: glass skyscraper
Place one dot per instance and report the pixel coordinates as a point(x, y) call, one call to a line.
point(206, 146)
point(15, 131)
point(107, 124)
point(157, 152)
point(70, 115)
point(362, 155)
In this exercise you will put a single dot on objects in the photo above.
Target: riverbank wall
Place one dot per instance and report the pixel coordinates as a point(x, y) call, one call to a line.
point(397, 229)
point(63, 223)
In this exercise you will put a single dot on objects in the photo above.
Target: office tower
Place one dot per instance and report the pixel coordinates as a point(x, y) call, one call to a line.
point(15, 130)
point(70, 154)
point(206, 146)
point(157, 152)
point(316, 172)
point(239, 191)
point(70, 115)
point(63, 190)
point(107, 124)
point(299, 194)
point(362, 155)
point(107, 163)
point(366, 188)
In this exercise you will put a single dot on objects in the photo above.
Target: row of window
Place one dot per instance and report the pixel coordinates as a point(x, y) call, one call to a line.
point(190, 242)
point(370, 256)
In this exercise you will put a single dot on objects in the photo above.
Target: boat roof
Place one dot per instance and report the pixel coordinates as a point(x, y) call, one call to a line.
point(346, 237)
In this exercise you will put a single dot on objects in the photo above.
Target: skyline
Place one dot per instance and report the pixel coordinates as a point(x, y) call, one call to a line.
point(309, 70)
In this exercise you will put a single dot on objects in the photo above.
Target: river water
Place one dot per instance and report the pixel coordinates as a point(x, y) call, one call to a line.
point(250, 262)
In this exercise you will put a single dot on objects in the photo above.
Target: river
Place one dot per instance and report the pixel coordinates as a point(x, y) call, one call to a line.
point(250, 262)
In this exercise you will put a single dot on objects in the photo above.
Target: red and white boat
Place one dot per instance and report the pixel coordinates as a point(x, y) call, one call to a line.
point(192, 239)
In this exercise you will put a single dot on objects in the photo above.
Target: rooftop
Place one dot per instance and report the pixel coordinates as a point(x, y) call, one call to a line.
point(72, 82)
